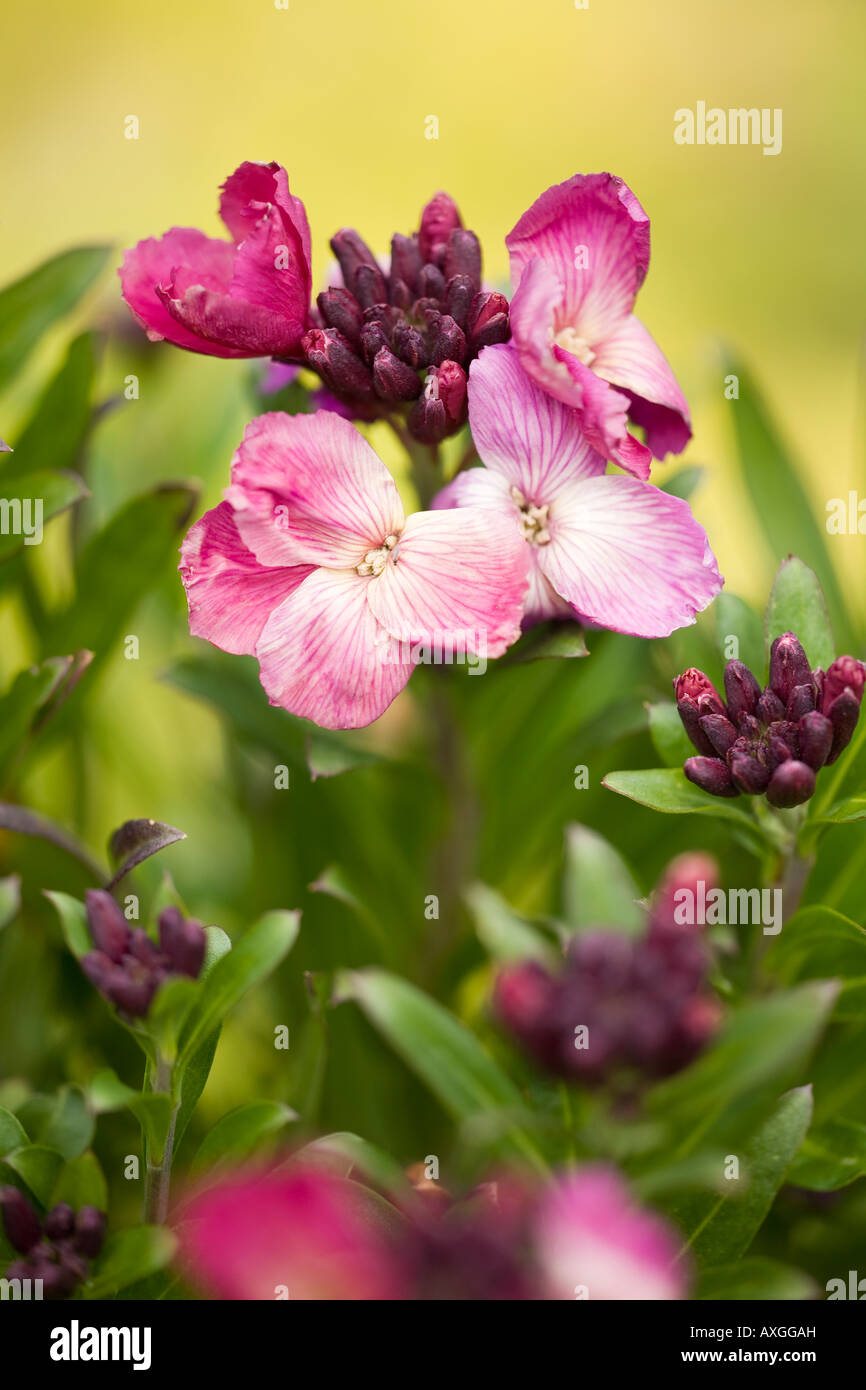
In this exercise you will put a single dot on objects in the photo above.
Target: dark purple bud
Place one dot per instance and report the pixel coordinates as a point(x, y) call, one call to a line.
point(449, 342)
point(183, 940)
point(693, 685)
point(432, 283)
point(711, 775)
point(441, 407)
point(393, 379)
point(20, 1222)
point(340, 309)
point(458, 298)
point(373, 339)
point(720, 732)
point(778, 751)
point(815, 734)
point(843, 714)
point(488, 321)
point(691, 721)
point(339, 366)
point(132, 994)
point(789, 666)
point(58, 1280)
point(409, 343)
point(523, 996)
point(741, 690)
point(749, 776)
point(750, 727)
point(845, 673)
point(108, 925)
point(438, 221)
point(406, 261)
point(352, 252)
point(60, 1221)
point(399, 294)
point(791, 784)
point(142, 948)
point(101, 971)
point(770, 707)
point(800, 701)
point(463, 256)
point(89, 1232)
point(370, 286)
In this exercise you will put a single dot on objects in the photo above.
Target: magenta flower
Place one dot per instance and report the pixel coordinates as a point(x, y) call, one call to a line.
point(312, 566)
point(594, 1242)
point(247, 297)
point(579, 256)
point(606, 548)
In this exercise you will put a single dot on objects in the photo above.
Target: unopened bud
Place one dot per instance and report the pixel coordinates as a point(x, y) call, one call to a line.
point(720, 732)
point(791, 784)
point(393, 379)
point(742, 690)
point(843, 714)
point(449, 342)
point(459, 295)
point(441, 407)
point(352, 252)
point(60, 1221)
point(409, 343)
point(463, 256)
point(488, 321)
point(340, 309)
point(711, 775)
point(815, 737)
point(339, 366)
point(406, 261)
point(89, 1232)
point(432, 283)
point(183, 940)
point(370, 286)
point(789, 665)
point(748, 774)
point(20, 1221)
point(800, 701)
point(770, 708)
point(108, 926)
point(438, 221)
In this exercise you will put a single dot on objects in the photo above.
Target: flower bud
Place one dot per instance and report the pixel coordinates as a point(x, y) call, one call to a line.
point(791, 784)
point(815, 737)
point(693, 685)
point(488, 321)
point(60, 1221)
point(399, 294)
point(406, 261)
point(711, 775)
point(340, 309)
point(789, 666)
point(393, 379)
point(742, 691)
point(449, 342)
point(845, 673)
point(183, 941)
point(720, 732)
point(339, 366)
point(20, 1221)
point(459, 295)
point(770, 707)
point(370, 287)
point(843, 714)
point(463, 256)
point(409, 344)
point(373, 339)
point(133, 994)
point(432, 283)
point(441, 407)
point(438, 221)
point(352, 252)
point(748, 774)
point(108, 926)
point(800, 701)
point(89, 1232)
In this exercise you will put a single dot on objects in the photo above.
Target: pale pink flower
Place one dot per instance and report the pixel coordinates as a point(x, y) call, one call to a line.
point(247, 297)
point(579, 256)
point(312, 566)
point(606, 548)
point(594, 1241)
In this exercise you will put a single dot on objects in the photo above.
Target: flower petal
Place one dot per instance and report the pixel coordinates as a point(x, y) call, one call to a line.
point(456, 574)
point(308, 489)
point(324, 656)
point(593, 232)
point(230, 594)
point(155, 263)
point(631, 359)
point(238, 327)
point(522, 432)
point(247, 192)
point(604, 416)
point(629, 557)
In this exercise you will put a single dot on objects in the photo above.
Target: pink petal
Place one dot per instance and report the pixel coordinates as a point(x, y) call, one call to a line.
point(592, 1236)
point(462, 571)
point(235, 326)
point(604, 416)
point(272, 272)
point(155, 262)
point(629, 557)
point(324, 656)
point(230, 594)
point(522, 432)
point(308, 489)
point(247, 192)
point(597, 212)
point(534, 311)
point(631, 359)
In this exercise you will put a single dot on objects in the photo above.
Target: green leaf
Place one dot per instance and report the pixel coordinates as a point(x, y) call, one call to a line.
point(817, 943)
point(331, 752)
point(12, 1132)
point(193, 1081)
point(69, 1126)
point(598, 887)
point(722, 1225)
point(250, 961)
point(667, 789)
point(444, 1054)
point(670, 739)
point(28, 501)
point(81, 1183)
point(754, 1280)
point(10, 899)
point(684, 482)
point(239, 1133)
point(503, 934)
point(31, 305)
point(563, 640)
point(833, 1155)
point(38, 1167)
point(107, 1093)
point(33, 698)
point(736, 618)
point(843, 812)
point(137, 840)
point(797, 605)
point(73, 922)
point(351, 1154)
point(58, 427)
point(129, 1257)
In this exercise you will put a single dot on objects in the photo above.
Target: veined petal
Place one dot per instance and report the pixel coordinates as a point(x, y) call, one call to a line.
point(534, 312)
point(271, 271)
point(238, 327)
point(155, 263)
point(604, 417)
point(631, 359)
point(629, 557)
point(593, 232)
point(250, 189)
point(456, 574)
point(522, 432)
point(478, 487)
point(230, 593)
point(323, 655)
point(308, 489)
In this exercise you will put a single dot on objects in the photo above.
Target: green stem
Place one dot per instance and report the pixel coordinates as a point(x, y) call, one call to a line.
point(157, 1180)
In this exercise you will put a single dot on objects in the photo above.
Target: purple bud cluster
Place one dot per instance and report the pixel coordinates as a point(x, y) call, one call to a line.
point(623, 1007)
point(770, 742)
point(126, 966)
point(404, 338)
point(56, 1250)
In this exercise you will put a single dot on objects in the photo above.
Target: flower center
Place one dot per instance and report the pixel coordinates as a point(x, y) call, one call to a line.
point(569, 339)
point(533, 519)
point(375, 560)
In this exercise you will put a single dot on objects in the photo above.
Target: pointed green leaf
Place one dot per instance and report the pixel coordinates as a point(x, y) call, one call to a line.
point(32, 304)
point(797, 605)
point(502, 932)
point(239, 1133)
point(598, 888)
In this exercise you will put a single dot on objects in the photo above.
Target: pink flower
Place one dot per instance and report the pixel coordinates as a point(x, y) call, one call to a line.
point(247, 297)
point(579, 256)
point(301, 1234)
point(593, 1241)
point(606, 548)
point(312, 566)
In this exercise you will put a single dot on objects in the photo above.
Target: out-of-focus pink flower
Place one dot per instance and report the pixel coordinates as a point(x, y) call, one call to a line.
point(579, 256)
point(606, 548)
point(301, 1234)
point(247, 297)
point(593, 1241)
point(312, 566)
